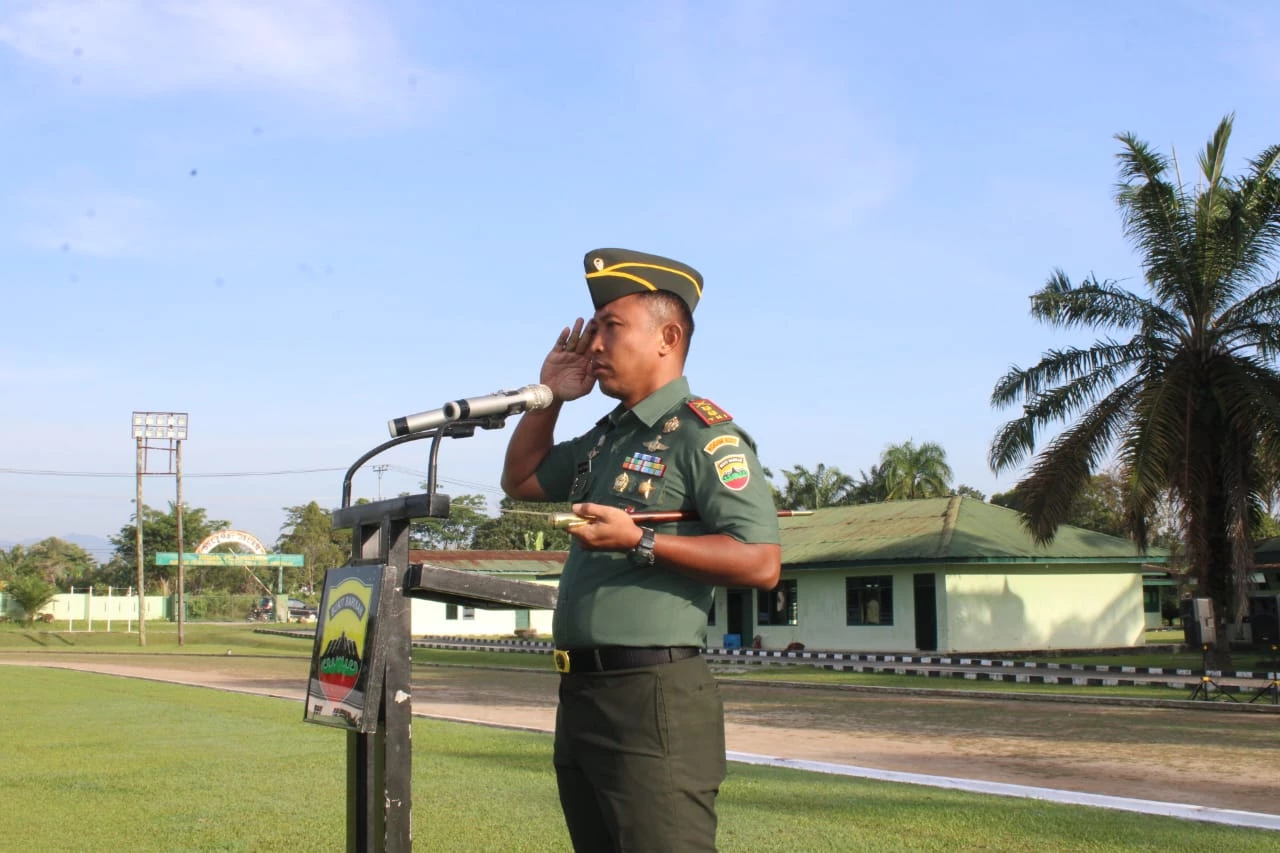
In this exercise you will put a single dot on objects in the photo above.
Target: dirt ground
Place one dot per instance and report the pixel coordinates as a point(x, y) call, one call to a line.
point(1198, 757)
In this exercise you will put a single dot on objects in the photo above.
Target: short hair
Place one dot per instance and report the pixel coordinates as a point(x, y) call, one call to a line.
point(667, 307)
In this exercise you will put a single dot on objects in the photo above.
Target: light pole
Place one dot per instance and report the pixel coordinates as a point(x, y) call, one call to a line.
point(167, 430)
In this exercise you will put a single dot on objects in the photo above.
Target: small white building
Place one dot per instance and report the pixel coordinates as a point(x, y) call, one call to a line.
point(434, 618)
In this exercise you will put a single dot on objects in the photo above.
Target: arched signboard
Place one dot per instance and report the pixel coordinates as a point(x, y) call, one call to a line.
point(239, 537)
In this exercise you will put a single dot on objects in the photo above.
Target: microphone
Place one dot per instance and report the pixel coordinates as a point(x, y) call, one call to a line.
point(528, 398)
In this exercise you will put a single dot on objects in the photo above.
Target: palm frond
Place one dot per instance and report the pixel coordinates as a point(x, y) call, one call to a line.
point(1159, 220)
point(1211, 162)
point(1248, 318)
point(1095, 304)
point(1062, 470)
point(1107, 357)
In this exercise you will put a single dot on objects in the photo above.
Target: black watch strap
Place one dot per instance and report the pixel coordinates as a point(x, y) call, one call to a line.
point(642, 554)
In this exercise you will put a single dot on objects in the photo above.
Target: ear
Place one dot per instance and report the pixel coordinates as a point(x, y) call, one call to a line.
point(672, 338)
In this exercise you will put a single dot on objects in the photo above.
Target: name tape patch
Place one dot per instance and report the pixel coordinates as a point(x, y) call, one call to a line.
point(720, 441)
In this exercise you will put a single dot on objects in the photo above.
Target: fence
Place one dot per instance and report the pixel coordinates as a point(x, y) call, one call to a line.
point(118, 606)
point(83, 606)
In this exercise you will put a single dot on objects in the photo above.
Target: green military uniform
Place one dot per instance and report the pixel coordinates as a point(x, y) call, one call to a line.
point(661, 455)
point(640, 749)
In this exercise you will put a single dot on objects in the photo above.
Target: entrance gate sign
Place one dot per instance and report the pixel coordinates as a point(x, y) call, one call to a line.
point(238, 537)
point(170, 558)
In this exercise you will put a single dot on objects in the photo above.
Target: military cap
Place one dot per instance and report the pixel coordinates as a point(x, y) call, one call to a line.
point(613, 273)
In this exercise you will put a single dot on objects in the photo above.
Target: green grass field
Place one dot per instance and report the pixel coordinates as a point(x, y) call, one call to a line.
point(94, 762)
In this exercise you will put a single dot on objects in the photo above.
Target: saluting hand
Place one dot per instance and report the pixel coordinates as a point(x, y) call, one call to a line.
point(567, 368)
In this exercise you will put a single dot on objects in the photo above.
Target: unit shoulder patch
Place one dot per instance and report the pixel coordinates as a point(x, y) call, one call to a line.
point(709, 413)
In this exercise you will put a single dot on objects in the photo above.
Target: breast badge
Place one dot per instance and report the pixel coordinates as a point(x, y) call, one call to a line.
point(643, 463)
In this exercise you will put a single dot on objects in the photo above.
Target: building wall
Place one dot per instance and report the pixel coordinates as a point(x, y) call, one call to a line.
point(1046, 609)
point(1037, 608)
point(821, 617)
point(428, 619)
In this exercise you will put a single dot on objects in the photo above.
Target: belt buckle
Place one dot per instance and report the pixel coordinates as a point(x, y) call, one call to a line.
point(561, 658)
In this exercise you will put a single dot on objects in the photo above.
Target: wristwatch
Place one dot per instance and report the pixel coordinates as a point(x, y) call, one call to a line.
point(642, 554)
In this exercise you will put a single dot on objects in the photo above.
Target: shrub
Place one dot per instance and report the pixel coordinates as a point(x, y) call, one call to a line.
point(31, 592)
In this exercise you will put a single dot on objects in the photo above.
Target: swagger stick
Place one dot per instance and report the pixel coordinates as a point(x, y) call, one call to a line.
point(562, 520)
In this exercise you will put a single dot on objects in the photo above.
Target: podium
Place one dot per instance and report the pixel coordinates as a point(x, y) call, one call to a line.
point(360, 678)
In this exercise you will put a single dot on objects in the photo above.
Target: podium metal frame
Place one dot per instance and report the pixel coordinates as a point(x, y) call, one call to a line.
point(380, 762)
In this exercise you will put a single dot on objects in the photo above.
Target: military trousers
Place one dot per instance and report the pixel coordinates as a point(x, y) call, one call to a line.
point(639, 758)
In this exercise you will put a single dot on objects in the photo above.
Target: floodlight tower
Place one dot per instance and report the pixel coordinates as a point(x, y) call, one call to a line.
point(163, 431)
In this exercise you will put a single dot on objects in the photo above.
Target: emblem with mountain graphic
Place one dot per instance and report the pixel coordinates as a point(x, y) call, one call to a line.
point(346, 627)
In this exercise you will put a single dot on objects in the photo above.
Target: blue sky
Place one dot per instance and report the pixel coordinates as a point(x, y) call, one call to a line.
point(297, 219)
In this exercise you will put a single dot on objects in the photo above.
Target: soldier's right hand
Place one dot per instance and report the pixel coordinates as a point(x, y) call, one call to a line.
point(567, 368)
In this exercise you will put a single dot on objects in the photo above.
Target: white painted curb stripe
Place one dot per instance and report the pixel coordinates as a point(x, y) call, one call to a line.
point(1256, 820)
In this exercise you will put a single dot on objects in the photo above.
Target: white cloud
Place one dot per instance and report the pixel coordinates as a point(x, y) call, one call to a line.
point(338, 53)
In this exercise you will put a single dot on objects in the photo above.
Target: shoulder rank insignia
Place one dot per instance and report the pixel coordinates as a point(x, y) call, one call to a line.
point(709, 413)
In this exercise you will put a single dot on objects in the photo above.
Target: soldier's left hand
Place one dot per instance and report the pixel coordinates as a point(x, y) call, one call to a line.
point(610, 529)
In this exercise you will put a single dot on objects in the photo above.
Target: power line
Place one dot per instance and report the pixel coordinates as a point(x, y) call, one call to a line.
point(422, 475)
point(33, 472)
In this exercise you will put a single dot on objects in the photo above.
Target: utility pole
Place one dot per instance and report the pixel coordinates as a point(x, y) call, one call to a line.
point(381, 469)
point(142, 622)
point(182, 639)
point(172, 428)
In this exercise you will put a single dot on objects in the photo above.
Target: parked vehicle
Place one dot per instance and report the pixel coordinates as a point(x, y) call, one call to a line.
point(265, 611)
point(300, 611)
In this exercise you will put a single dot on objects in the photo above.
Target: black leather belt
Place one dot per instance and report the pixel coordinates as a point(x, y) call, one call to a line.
point(609, 658)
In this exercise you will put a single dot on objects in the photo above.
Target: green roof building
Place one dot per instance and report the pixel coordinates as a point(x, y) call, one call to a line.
point(947, 574)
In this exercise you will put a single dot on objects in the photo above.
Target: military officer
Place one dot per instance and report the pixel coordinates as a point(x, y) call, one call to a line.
point(639, 749)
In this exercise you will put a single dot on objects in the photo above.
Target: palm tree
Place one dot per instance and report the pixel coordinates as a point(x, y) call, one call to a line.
point(1189, 398)
point(820, 487)
point(915, 472)
point(31, 592)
